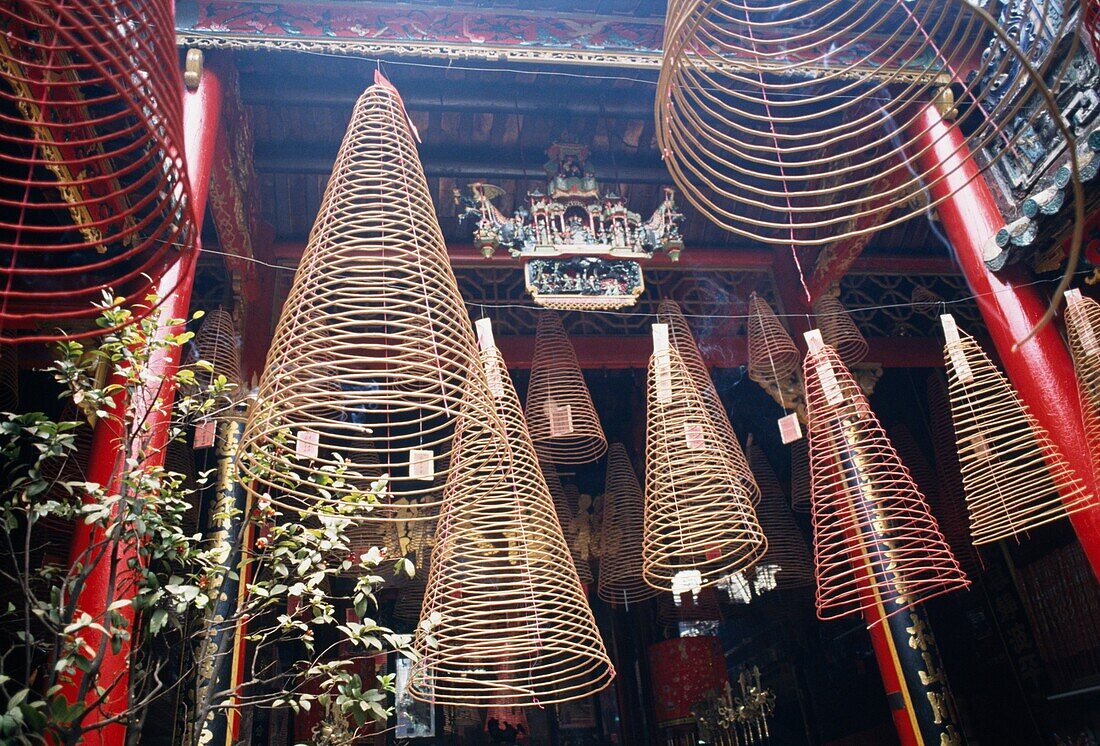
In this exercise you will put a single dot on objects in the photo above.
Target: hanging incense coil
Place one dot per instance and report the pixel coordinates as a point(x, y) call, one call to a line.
point(875, 542)
point(563, 422)
point(505, 616)
point(1014, 476)
point(668, 312)
point(92, 141)
point(218, 343)
point(373, 351)
point(950, 508)
point(410, 599)
point(787, 562)
point(924, 300)
point(1083, 328)
point(801, 488)
point(701, 608)
point(9, 378)
point(567, 516)
point(838, 329)
point(773, 355)
point(699, 522)
point(621, 531)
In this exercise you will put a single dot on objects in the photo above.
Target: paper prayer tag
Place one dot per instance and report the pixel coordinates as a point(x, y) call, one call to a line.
point(421, 464)
point(204, 433)
point(484, 328)
point(790, 429)
point(954, 349)
point(560, 417)
point(693, 435)
point(829, 384)
point(306, 444)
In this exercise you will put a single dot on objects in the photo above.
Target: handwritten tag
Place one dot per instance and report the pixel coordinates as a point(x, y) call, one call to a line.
point(560, 417)
point(693, 435)
point(955, 353)
point(204, 433)
point(829, 384)
point(421, 464)
point(306, 444)
point(790, 429)
point(495, 376)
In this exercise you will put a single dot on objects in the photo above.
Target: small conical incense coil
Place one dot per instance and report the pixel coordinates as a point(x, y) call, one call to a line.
point(787, 561)
point(800, 476)
point(924, 300)
point(691, 608)
point(180, 459)
point(1083, 327)
point(622, 527)
point(566, 511)
point(699, 521)
point(373, 351)
point(838, 329)
point(948, 510)
point(367, 535)
point(773, 355)
point(560, 415)
point(504, 614)
point(876, 544)
point(668, 312)
point(218, 343)
point(410, 600)
point(1014, 477)
point(9, 377)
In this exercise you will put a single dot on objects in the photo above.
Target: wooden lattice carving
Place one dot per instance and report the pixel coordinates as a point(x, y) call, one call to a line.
point(1083, 327)
point(683, 341)
point(505, 616)
point(838, 329)
point(567, 516)
point(373, 351)
point(787, 562)
point(1014, 477)
point(699, 521)
point(875, 540)
point(773, 355)
point(800, 476)
point(620, 576)
point(562, 420)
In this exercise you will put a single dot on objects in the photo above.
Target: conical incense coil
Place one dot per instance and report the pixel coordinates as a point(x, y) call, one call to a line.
point(622, 527)
point(1014, 477)
point(560, 415)
point(801, 487)
point(567, 517)
point(773, 355)
point(838, 329)
point(373, 351)
point(505, 616)
point(671, 611)
point(787, 562)
point(218, 344)
point(875, 541)
point(668, 312)
point(1083, 327)
point(368, 535)
point(410, 600)
point(9, 377)
point(95, 191)
point(699, 521)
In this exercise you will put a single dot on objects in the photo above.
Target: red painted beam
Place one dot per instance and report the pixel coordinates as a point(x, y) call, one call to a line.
point(1041, 369)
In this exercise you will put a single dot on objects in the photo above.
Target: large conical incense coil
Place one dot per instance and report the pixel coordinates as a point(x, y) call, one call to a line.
point(567, 514)
point(95, 194)
point(688, 607)
point(218, 343)
point(699, 522)
point(950, 505)
point(801, 486)
point(787, 561)
point(620, 577)
point(683, 341)
point(1014, 476)
point(838, 329)
point(1083, 327)
point(373, 351)
point(875, 541)
point(773, 355)
point(505, 616)
point(559, 411)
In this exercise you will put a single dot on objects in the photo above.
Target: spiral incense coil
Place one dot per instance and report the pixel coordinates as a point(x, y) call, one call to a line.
point(1014, 477)
point(218, 343)
point(875, 541)
point(505, 616)
point(373, 351)
point(699, 521)
point(9, 378)
point(179, 458)
point(410, 599)
point(96, 196)
point(1083, 327)
point(801, 487)
point(560, 415)
point(924, 300)
point(787, 561)
point(668, 312)
point(620, 577)
point(773, 355)
point(364, 536)
point(567, 513)
point(838, 329)
point(701, 608)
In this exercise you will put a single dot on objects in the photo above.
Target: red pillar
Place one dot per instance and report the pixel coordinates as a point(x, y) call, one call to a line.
point(1091, 13)
point(1041, 370)
point(109, 576)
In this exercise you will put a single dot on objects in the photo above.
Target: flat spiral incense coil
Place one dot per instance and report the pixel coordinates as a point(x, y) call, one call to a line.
point(801, 487)
point(567, 514)
point(773, 355)
point(699, 521)
point(875, 541)
point(218, 343)
point(683, 341)
point(790, 123)
point(95, 195)
point(787, 561)
point(560, 415)
point(373, 352)
point(838, 329)
point(1014, 476)
point(505, 616)
point(1083, 327)
point(620, 577)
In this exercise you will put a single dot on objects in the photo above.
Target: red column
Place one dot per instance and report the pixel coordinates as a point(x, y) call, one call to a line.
point(1041, 370)
point(1092, 25)
point(109, 576)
